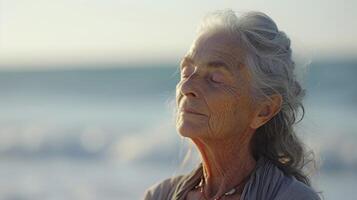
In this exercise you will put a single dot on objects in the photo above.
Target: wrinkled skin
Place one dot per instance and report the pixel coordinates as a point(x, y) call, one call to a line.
point(217, 112)
point(222, 95)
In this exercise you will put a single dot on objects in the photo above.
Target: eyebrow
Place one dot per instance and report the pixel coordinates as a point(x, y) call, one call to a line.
point(210, 64)
point(218, 64)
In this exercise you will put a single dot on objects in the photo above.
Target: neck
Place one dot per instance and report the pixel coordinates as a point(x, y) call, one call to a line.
point(226, 163)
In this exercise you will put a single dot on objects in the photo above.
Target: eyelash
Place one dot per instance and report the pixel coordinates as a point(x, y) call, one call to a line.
point(214, 80)
point(184, 76)
point(211, 78)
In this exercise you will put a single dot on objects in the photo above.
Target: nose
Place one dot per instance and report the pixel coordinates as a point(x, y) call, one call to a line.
point(188, 86)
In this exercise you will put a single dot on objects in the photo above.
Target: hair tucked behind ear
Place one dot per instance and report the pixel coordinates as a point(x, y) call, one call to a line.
point(268, 57)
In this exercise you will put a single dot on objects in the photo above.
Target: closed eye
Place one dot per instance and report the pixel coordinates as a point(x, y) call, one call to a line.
point(186, 71)
point(217, 78)
point(184, 75)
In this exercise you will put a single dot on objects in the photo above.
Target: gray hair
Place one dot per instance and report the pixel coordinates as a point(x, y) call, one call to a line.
point(269, 58)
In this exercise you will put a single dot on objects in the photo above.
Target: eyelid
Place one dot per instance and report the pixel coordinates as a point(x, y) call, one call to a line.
point(215, 76)
point(185, 69)
point(184, 65)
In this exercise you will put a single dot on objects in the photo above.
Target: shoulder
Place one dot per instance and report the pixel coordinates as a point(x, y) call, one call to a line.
point(163, 189)
point(270, 182)
point(296, 190)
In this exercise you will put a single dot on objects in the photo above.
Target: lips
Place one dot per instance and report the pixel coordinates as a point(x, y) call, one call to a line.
point(191, 111)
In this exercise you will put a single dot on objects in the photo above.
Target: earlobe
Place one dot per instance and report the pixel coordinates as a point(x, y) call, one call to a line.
point(267, 110)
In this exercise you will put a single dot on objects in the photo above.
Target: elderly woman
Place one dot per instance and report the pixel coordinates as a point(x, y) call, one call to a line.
point(237, 101)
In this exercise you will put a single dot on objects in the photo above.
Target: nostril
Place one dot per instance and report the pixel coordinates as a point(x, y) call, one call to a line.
point(189, 93)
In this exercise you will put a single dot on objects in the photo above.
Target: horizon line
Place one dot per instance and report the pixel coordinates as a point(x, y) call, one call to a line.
point(127, 64)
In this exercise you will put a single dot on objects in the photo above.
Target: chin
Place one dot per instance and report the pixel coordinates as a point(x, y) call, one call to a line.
point(191, 125)
point(190, 130)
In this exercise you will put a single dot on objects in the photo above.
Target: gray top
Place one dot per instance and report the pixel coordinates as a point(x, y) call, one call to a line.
point(266, 182)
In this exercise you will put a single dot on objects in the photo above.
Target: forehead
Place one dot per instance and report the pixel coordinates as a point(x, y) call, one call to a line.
point(217, 45)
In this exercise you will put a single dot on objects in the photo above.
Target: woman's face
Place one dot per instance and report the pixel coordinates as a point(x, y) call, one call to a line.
point(214, 94)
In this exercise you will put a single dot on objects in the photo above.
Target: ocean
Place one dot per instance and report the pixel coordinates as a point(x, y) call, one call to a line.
point(108, 132)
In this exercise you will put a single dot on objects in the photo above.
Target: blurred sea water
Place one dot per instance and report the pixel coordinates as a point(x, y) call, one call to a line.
point(108, 133)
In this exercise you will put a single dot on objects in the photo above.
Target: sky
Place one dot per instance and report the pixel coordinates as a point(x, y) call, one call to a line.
point(57, 33)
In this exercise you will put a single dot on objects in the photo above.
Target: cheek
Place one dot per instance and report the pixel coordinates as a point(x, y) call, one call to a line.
point(178, 93)
point(224, 106)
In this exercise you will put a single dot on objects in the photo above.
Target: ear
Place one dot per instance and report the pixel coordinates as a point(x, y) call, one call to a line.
point(266, 110)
